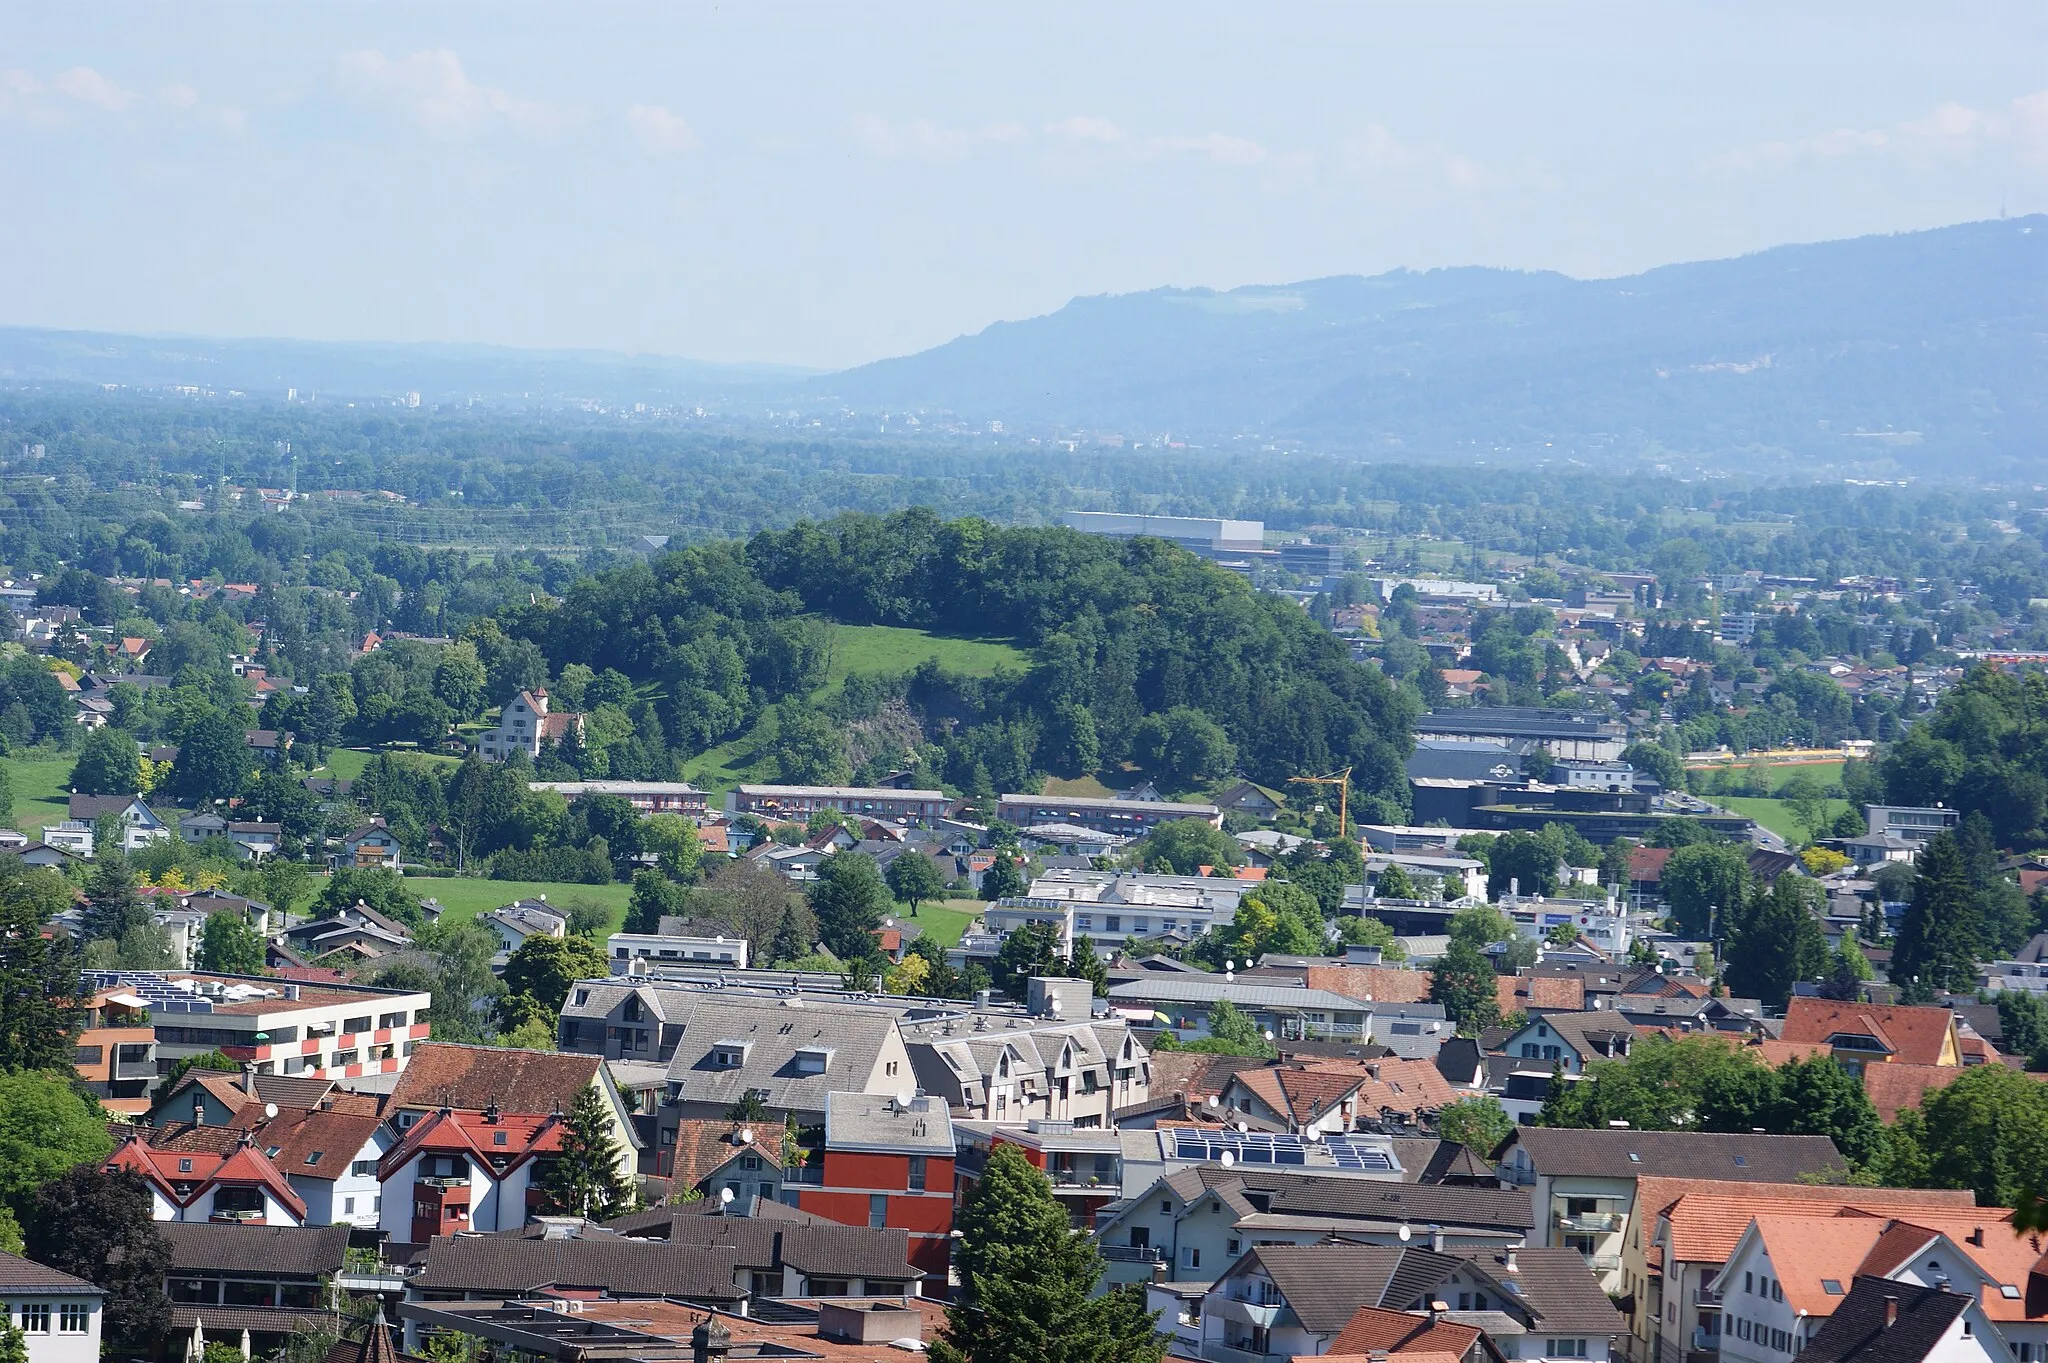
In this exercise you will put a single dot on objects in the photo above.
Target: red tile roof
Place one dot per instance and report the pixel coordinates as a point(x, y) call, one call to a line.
point(1520, 993)
point(1647, 863)
point(1377, 1330)
point(1915, 1035)
point(442, 1074)
point(1379, 983)
point(1895, 1087)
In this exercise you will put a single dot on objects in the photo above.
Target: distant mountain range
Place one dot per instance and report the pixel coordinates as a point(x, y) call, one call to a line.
point(1921, 349)
point(1925, 351)
point(438, 373)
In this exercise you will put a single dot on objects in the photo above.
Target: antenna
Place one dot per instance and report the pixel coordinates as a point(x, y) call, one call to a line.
point(725, 1196)
point(269, 1111)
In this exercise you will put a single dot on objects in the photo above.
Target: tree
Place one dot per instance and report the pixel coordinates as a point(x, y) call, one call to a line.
point(1779, 942)
point(673, 841)
point(1463, 983)
point(1084, 964)
point(46, 1127)
point(1184, 846)
point(459, 679)
point(1393, 883)
point(914, 879)
point(1656, 760)
point(586, 1180)
point(213, 759)
point(1481, 925)
point(2023, 1018)
point(1817, 1097)
point(381, 889)
point(789, 943)
point(1524, 861)
point(97, 1224)
point(1033, 949)
point(113, 902)
point(108, 763)
point(1368, 932)
point(14, 1344)
point(1937, 942)
point(1847, 972)
point(1539, 764)
point(1002, 880)
point(539, 974)
point(850, 902)
point(1987, 1131)
point(1701, 878)
point(1027, 1281)
point(231, 945)
point(654, 898)
point(1807, 801)
point(1479, 1124)
point(39, 976)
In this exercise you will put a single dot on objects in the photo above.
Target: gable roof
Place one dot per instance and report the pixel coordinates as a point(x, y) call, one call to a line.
point(471, 1078)
point(1859, 1331)
point(1377, 983)
point(1737, 1157)
point(238, 1164)
point(1900, 1085)
point(705, 1145)
point(1916, 1035)
point(1375, 1330)
point(1555, 1286)
point(513, 1265)
point(293, 1251)
point(26, 1275)
point(1522, 993)
point(1298, 1094)
point(1706, 1226)
point(1325, 1285)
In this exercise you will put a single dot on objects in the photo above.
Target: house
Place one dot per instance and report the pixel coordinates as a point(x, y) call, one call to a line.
point(369, 845)
point(710, 947)
point(888, 1162)
point(1863, 1034)
point(779, 1250)
point(329, 1157)
point(502, 1268)
point(204, 1097)
point(1880, 1321)
point(71, 836)
point(463, 1171)
point(58, 1315)
point(1193, 1222)
point(44, 855)
point(524, 724)
point(444, 1076)
point(1679, 1262)
point(358, 930)
point(1585, 1182)
point(788, 1058)
point(715, 1157)
point(342, 1030)
point(1041, 1068)
point(1332, 1098)
point(139, 825)
point(1567, 1042)
point(197, 828)
point(1247, 797)
point(237, 1183)
point(512, 924)
point(272, 1281)
point(269, 745)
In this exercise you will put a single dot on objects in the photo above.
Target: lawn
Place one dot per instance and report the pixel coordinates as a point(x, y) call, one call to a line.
point(42, 792)
point(1826, 771)
point(943, 923)
point(464, 897)
point(1775, 815)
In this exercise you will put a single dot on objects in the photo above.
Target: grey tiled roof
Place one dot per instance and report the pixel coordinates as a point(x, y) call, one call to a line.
point(1556, 1287)
point(26, 1275)
point(1740, 1157)
point(624, 1267)
point(855, 1036)
point(1326, 1284)
point(1857, 1332)
point(298, 1251)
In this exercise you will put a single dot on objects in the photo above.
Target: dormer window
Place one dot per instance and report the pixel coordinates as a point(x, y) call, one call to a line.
point(813, 1059)
point(728, 1055)
point(498, 1138)
point(184, 1166)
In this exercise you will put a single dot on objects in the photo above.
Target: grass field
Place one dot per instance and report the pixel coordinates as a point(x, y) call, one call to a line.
point(1775, 815)
point(465, 897)
point(943, 924)
point(1828, 772)
point(857, 650)
point(41, 792)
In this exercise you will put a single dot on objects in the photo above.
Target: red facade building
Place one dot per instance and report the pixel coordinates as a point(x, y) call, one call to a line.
point(888, 1162)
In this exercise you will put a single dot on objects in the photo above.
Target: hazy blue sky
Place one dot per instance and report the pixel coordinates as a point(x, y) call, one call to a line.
point(827, 184)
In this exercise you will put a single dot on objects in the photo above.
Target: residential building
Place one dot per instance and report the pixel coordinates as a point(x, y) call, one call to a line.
point(887, 1162)
point(138, 823)
point(624, 948)
point(358, 931)
point(649, 797)
point(235, 1184)
point(1336, 1097)
point(341, 1030)
point(1880, 1321)
point(717, 1157)
point(369, 845)
point(116, 1054)
point(1283, 1010)
point(1569, 1041)
point(1864, 1034)
point(1247, 797)
point(1110, 907)
point(1131, 818)
point(524, 724)
point(1056, 1065)
point(457, 1171)
point(58, 1315)
point(876, 802)
point(516, 923)
point(1584, 1182)
point(272, 1281)
point(475, 1080)
point(1912, 823)
point(1204, 535)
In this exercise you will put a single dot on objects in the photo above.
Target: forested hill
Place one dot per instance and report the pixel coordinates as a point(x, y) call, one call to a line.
point(1138, 651)
point(1928, 347)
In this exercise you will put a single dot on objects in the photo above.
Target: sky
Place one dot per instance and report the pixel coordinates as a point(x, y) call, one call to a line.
point(823, 185)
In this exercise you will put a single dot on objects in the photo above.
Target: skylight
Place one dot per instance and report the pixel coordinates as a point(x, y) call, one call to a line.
point(2008, 1291)
point(314, 1158)
point(1742, 1161)
point(270, 1152)
point(1831, 1286)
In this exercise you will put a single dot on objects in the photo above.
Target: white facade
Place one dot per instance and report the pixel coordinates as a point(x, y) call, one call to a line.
point(355, 1196)
point(624, 948)
point(57, 1314)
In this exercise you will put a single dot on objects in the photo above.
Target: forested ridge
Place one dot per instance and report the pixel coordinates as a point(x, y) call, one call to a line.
point(1139, 651)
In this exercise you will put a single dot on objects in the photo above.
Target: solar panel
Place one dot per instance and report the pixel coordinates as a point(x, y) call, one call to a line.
point(1355, 1154)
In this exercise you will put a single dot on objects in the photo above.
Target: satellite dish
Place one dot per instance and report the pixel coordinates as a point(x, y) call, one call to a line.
point(1243, 1127)
point(269, 1111)
point(904, 1096)
point(1054, 1005)
point(746, 1135)
point(1312, 1135)
point(725, 1197)
point(1214, 1100)
point(1269, 1034)
point(1228, 1159)
point(1404, 1232)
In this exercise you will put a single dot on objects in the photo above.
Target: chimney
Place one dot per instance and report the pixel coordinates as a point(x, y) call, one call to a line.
point(1436, 1239)
point(1977, 1237)
point(1511, 1265)
point(710, 1342)
point(1891, 1310)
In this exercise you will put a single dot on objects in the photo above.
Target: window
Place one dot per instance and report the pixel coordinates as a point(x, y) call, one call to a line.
point(364, 1168)
point(889, 1068)
point(828, 1287)
point(1749, 1283)
point(348, 1206)
point(388, 1021)
point(35, 1318)
point(878, 1211)
point(582, 996)
point(1191, 1256)
point(353, 1025)
point(1831, 1286)
point(1230, 1248)
point(90, 1055)
point(917, 1173)
point(1777, 1290)
point(1564, 1348)
point(342, 1058)
point(73, 1318)
point(184, 1166)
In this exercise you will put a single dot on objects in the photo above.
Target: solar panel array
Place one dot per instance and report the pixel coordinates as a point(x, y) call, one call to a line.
point(152, 988)
point(1357, 1154)
point(1246, 1147)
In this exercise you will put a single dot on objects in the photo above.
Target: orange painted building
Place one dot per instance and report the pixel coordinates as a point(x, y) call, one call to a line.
point(889, 1163)
point(116, 1056)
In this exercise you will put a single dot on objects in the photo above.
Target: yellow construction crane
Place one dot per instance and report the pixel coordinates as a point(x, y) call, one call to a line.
point(1342, 780)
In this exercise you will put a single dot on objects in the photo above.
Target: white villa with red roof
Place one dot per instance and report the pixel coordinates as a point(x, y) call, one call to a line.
point(467, 1171)
point(238, 1184)
point(524, 724)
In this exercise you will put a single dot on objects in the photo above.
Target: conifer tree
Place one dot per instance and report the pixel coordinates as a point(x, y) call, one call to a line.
point(1937, 944)
point(586, 1180)
point(1027, 1280)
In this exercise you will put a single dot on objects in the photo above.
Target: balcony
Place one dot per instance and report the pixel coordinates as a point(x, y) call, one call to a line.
point(1706, 1298)
point(237, 1217)
point(443, 1182)
point(1133, 1254)
point(1705, 1341)
point(1602, 1263)
point(1589, 1223)
point(1216, 1351)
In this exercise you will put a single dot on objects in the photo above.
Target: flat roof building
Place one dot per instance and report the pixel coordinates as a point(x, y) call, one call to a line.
point(1133, 817)
point(800, 802)
point(1199, 533)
